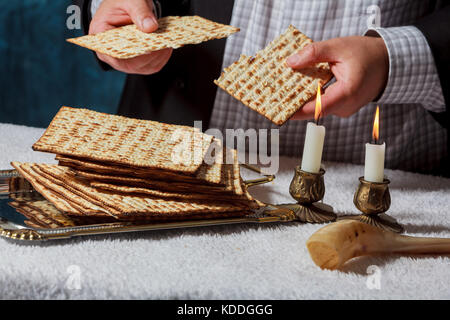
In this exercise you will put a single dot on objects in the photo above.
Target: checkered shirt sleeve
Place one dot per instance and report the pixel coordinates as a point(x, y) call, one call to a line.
point(413, 77)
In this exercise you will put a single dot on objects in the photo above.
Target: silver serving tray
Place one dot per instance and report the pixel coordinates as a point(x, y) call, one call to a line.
point(12, 222)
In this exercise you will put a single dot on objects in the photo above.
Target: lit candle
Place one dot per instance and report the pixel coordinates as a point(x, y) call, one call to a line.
point(374, 164)
point(315, 135)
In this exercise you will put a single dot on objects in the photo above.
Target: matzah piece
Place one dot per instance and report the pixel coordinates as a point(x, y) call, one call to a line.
point(152, 184)
point(48, 210)
point(34, 224)
point(98, 168)
point(46, 192)
point(164, 194)
point(232, 182)
point(173, 32)
point(35, 215)
point(85, 205)
point(135, 206)
point(227, 176)
point(246, 199)
point(210, 173)
point(59, 195)
point(265, 84)
point(25, 211)
point(119, 140)
point(19, 184)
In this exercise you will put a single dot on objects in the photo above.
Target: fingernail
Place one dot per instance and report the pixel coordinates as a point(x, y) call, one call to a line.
point(293, 60)
point(148, 23)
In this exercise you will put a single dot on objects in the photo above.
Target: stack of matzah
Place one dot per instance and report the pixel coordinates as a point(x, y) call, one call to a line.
point(117, 168)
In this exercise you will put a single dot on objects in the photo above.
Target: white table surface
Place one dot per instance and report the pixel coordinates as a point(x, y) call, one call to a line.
point(229, 262)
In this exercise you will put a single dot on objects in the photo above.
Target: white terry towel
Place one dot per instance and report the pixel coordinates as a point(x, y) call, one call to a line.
point(230, 262)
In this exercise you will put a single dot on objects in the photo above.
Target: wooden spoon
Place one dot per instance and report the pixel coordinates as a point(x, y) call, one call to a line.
point(331, 246)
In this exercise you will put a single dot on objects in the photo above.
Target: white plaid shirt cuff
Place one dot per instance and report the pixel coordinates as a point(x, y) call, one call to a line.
point(413, 77)
point(94, 6)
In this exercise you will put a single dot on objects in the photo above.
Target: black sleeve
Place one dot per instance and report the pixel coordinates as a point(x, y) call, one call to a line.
point(436, 29)
point(85, 6)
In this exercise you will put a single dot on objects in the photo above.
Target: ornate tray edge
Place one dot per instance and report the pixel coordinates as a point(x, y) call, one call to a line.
point(18, 232)
point(23, 233)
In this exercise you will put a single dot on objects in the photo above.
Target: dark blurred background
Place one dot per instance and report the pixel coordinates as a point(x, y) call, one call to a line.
point(40, 71)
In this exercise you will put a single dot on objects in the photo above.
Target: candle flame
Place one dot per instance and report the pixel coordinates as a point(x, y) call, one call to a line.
point(376, 125)
point(318, 110)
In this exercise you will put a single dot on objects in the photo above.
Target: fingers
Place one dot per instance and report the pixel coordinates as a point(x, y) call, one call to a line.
point(145, 64)
point(323, 51)
point(157, 64)
point(141, 13)
point(334, 101)
point(110, 14)
point(114, 13)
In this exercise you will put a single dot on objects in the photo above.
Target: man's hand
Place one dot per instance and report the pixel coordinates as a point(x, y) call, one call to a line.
point(115, 13)
point(361, 68)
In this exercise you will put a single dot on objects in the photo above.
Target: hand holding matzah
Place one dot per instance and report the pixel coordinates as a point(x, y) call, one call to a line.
point(360, 65)
point(115, 13)
point(280, 81)
point(126, 35)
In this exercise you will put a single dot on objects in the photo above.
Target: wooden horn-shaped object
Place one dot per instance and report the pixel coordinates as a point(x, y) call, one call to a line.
point(333, 245)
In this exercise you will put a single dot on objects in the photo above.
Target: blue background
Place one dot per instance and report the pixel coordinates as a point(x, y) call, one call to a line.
point(40, 71)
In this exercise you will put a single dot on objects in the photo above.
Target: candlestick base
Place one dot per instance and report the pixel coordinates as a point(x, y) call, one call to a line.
point(373, 200)
point(308, 189)
point(382, 221)
point(311, 213)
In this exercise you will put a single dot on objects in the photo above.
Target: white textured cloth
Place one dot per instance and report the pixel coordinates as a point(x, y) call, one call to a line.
point(228, 262)
point(414, 140)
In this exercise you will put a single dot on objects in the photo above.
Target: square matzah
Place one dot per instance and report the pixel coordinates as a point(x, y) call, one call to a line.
point(118, 140)
point(133, 205)
point(267, 85)
point(173, 32)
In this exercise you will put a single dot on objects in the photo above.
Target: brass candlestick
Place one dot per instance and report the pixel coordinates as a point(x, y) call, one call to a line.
point(307, 189)
point(373, 200)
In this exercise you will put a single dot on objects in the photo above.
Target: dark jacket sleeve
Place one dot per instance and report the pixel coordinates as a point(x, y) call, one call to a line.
point(436, 29)
point(86, 18)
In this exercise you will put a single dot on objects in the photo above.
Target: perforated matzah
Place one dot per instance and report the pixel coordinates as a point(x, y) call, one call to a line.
point(164, 194)
point(36, 218)
point(230, 177)
point(173, 32)
point(267, 85)
point(223, 177)
point(211, 172)
point(63, 197)
point(85, 205)
point(118, 140)
point(129, 206)
point(51, 212)
point(43, 212)
point(45, 191)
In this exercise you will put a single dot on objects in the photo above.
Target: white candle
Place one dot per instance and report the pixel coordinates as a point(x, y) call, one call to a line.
point(315, 136)
point(374, 163)
point(312, 150)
